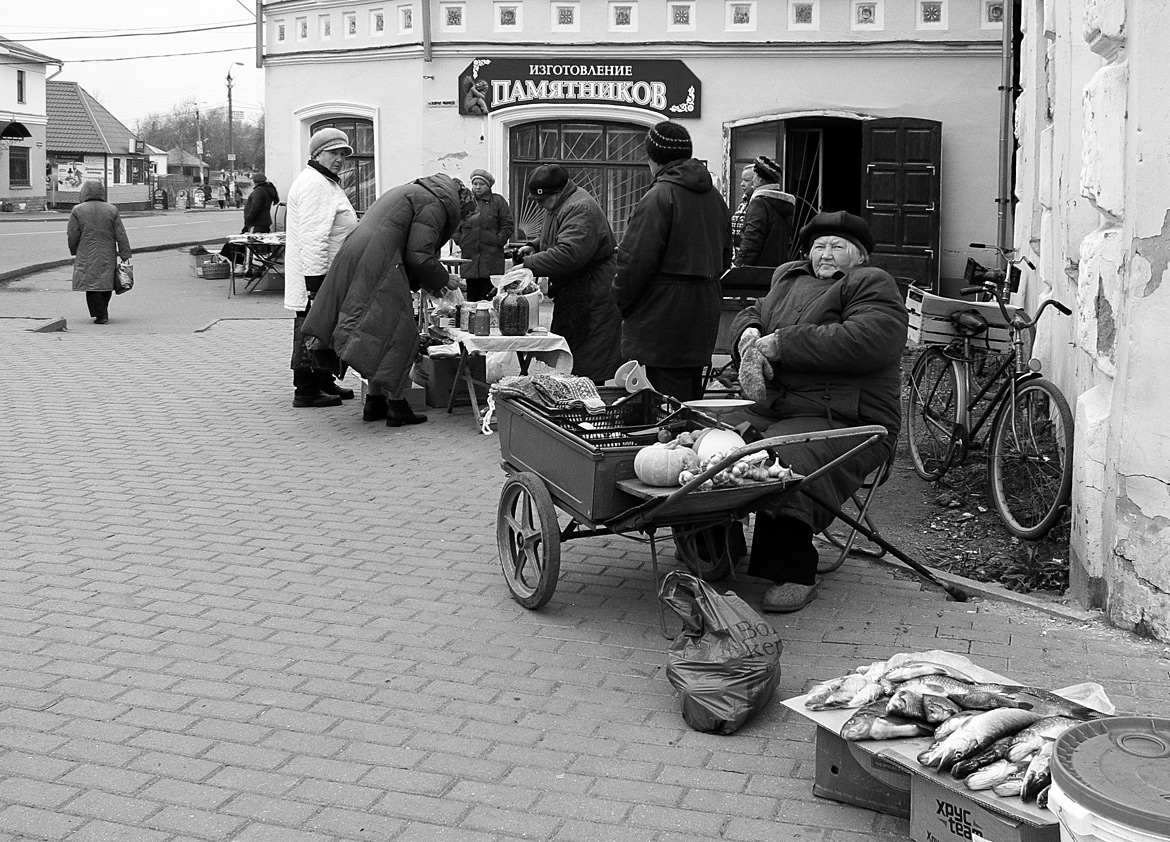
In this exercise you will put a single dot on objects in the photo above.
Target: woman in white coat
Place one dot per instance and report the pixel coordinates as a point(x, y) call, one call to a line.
point(319, 217)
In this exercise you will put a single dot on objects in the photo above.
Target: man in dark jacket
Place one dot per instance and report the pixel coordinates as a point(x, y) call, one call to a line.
point(258, 208)
point(483, 235)
point(676, 247)
point(824, 348)
point(747, 182)
point(575, 253)
point(767, 227)
point(364, 310)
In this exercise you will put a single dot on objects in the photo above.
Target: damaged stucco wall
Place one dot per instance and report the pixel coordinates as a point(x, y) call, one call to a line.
point(1093, 169)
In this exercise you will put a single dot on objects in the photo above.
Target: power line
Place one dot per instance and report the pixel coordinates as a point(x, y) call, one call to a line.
point(160, 55)
point(133, 34)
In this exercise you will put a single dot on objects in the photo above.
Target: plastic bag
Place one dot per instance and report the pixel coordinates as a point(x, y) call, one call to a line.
point(124, 277)
point(725, 662)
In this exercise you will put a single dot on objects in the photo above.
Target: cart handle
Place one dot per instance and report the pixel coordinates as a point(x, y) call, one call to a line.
point(873, 433)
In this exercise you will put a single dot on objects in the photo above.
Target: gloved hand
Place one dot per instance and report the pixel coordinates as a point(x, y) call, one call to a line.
point(747, 339)
point(769, 346)
point(754, 374)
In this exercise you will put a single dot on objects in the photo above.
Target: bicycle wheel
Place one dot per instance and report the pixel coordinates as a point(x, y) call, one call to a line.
point(529, 540)
point(933, 413)
point(1029, 467)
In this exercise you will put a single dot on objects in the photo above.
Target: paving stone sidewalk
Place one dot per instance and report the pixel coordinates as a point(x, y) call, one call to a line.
point(226, 619)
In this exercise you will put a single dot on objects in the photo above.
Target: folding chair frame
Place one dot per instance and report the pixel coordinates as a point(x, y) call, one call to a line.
point(861, 499)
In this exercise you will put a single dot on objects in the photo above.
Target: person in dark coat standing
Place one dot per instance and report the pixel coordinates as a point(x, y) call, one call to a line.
point(483, 235)
point(364, 310)
point(258, 208)
point(575, 252)
point(767, 226)
point(747, 182)
point(97, 240)
point(821, 351)
point(669, 262)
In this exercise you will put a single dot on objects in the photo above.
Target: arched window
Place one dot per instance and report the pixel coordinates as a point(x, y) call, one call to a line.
point(357, 176)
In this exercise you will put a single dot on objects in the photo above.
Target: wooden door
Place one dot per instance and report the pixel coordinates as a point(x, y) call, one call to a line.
point(901, 187)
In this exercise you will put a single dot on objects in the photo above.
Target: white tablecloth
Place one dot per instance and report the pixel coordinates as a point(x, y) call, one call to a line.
point(550, 348)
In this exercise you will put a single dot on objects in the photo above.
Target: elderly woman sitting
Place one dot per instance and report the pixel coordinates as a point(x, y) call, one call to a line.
point(821, 351)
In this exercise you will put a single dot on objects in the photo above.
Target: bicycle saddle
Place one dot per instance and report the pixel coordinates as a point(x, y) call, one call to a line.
point(968, 322)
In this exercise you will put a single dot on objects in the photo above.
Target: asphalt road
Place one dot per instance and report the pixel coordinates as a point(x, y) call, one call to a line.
point(32, 242)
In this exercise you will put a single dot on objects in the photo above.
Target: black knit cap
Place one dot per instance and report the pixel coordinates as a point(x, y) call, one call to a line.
point(668, 141)
point(768, 169)
point(838, 224)
point(549, 178)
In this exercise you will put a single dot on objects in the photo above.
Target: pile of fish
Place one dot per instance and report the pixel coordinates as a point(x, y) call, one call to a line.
point(993, 736)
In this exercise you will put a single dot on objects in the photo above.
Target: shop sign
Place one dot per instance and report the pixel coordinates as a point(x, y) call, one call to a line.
point(668, 87)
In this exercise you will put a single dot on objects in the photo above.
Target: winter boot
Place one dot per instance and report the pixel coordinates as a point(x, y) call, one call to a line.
point(399, 413)
point(375, 408)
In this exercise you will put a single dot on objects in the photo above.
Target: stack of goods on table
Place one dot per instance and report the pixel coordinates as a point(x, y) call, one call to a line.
point(991, 735)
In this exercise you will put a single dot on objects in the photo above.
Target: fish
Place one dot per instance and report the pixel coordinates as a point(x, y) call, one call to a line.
point(949, 726)
point(996, 751)
point(906, 702)
point(1042, 797)
point(837, 696)
point(872, 723)
point(918, 669)
point(1047, 703)
point(821, 691)
point(871, 692)
point(938, 708)
point(965, 694)
point(1030, 739)
point(994, 773)
point(1010, 787)
point(1038, 775)
point(974, 735)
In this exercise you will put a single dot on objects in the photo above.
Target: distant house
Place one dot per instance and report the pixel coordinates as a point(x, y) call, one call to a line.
point(23, 118)
point(85, 141)
point(182, 162)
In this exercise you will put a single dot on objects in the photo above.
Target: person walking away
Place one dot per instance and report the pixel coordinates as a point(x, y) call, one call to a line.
point(258, 208)
point(669, 262)
point(483, 235)
point(221, 196)
point(365, 309)
point(319, 218)
point(767, 227)
point(97, 240)
point(747, 181)
point(820, 352)
point(575, 251)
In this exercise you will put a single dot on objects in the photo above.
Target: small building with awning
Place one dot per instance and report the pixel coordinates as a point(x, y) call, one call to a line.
point(23, 120)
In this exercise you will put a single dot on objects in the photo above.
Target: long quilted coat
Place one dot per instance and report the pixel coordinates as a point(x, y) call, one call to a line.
point(576, 254)
point(364, 310)
point(97, 238)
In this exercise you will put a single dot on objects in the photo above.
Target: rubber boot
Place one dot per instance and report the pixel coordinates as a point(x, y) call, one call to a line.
point(399, 413)
point(375, 408)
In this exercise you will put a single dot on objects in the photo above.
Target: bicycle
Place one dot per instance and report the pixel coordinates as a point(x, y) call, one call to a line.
point(1030, 439)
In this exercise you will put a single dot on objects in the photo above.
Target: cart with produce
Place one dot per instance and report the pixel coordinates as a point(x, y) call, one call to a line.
point(594, 465)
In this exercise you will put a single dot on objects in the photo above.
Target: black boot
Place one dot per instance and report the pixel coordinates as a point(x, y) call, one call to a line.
point(399, 413)
point(328, 386)
point(307, 392)
point(375, 408)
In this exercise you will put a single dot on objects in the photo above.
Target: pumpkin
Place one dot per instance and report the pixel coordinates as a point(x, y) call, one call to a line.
point(660, 464)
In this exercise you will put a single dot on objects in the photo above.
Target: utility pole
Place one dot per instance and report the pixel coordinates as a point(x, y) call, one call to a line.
point(231, 120)
point(198, 142)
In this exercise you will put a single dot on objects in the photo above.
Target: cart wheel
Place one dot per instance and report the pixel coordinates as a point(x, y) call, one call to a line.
point(529, 540)
point(706, 550)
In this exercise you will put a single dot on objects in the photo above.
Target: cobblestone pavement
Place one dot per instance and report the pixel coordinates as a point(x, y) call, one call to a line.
point(226, 619)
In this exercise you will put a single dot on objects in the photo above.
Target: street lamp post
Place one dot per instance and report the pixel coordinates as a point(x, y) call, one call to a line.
point(230, 121)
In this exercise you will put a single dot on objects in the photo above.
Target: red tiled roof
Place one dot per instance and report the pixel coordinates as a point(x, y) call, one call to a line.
point(79, 123)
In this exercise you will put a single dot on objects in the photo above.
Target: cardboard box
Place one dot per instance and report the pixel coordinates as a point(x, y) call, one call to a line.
point(941, 813)
point(852, 775)
point(436, 374)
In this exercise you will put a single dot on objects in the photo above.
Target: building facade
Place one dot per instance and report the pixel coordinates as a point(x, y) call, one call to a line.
point(887, 109)
point(1094, 217)
point(23, 122)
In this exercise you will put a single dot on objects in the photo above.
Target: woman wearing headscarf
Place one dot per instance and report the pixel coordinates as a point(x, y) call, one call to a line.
point(364, 311)
point(258, 208)
point(97, 239)
point(676, 247)
point(821, 351)
point(576, 253)
point(319, 218)
point(767, 225)
point(483, 235)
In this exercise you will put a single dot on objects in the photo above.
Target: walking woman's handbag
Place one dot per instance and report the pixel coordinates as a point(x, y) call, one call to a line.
point(124, 277)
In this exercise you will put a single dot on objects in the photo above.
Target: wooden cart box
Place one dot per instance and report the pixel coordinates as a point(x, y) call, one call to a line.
point(930, 325)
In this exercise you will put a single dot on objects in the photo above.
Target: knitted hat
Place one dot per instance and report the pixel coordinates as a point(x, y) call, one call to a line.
point(485, 175)
point(768, 170)
point(838, 224)
point(549, 178)
point(259, 178)
point(328, 140)
point(668, 141)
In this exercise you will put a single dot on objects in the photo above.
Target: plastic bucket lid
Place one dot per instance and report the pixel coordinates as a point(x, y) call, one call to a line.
point(1119, 769)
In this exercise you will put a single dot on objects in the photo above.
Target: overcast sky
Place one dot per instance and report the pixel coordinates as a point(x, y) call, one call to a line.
point(135, 85)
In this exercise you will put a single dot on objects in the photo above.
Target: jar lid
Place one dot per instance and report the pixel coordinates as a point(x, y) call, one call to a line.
point(1119, 769)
